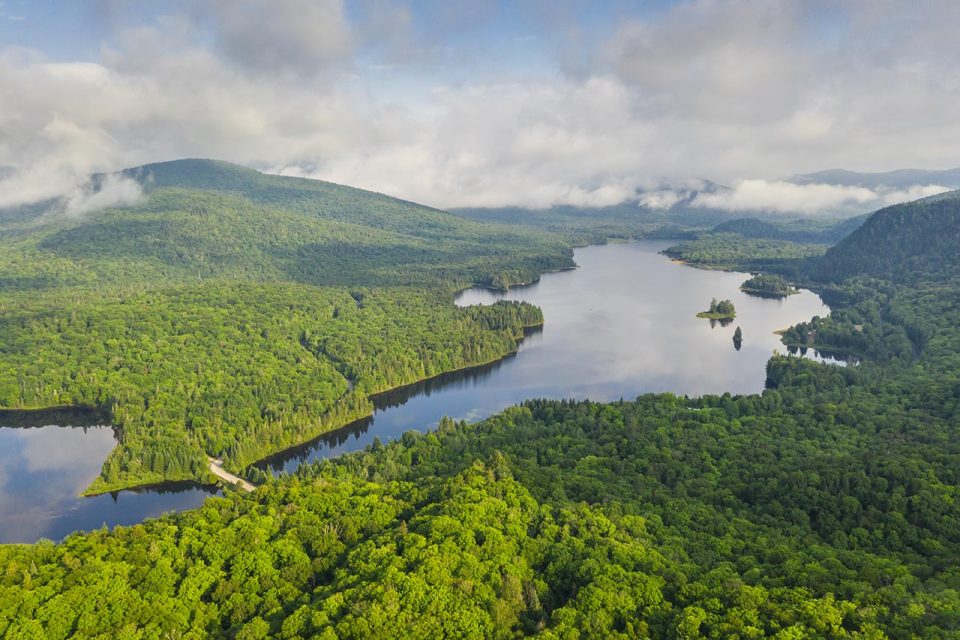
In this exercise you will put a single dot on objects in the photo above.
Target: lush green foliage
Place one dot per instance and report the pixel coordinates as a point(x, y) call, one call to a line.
point(180, 236)
point(826, 507)
point(768, 285)
point(731, 251)
point(910, 242)
point(238, 371)
point(234, 314)
point(723, 310)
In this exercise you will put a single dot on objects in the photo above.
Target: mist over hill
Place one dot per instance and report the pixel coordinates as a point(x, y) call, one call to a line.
point(900, 178)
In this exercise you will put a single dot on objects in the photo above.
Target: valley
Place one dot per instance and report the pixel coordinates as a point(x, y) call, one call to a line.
point(745, 492)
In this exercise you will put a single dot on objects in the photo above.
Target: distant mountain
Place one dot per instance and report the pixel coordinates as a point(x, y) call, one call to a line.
point(315, 197)
point(206, 218)
point(902, 178)
point(665, 211)
point(803, 230)
point(907, 242)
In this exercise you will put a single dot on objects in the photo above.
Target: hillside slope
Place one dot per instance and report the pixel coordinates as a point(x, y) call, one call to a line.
point(803, 230)
point(906, 242)
point(204, 219)
point(233, 314)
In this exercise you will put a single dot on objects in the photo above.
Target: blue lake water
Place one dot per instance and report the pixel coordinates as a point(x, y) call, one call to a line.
point(620, 325)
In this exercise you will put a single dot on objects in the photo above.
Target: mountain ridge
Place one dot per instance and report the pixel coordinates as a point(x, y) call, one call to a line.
point(905, 243)
point(898, 178)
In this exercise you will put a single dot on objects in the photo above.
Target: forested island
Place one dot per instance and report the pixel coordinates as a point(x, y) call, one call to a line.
point(768, 286)
point(722, 310)
point(826, 507)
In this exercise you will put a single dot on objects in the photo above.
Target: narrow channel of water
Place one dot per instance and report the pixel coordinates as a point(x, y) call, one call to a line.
point(621, 325)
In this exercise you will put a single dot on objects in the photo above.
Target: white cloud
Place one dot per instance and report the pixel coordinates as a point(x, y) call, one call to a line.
point(662, 199)
point(787, 197)
point(725, 90)
point(113, 190)
point(896, 196)
point(300, 36)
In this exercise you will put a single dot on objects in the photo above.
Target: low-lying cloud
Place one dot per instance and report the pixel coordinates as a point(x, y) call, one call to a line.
point(65, 192)
point(725, 90)
point(112, 190)
point(783, 196)
point(810, 199)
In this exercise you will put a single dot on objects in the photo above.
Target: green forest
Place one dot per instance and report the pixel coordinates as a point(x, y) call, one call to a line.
point(736, 252)
point(826, 507)
point(234, 314)
point(722, 310)
point(768, 286)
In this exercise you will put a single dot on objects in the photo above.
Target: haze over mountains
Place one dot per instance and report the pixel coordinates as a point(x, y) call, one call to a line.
point(834, 193)
point(900, 178)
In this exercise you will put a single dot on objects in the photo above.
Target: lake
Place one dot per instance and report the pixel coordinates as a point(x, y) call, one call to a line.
point(48, 457)
point(622, 324)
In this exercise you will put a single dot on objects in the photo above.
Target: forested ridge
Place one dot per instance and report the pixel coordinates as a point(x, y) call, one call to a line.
point(910, 242)
point(232, 314)
point(803, 230)
point(735, 252)
point(826, 507)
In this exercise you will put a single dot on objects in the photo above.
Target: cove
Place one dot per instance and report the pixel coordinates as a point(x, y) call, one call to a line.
point(47, 457)
point(620, 325)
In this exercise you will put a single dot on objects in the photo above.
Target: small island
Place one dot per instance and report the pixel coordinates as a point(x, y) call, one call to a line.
point(768, 286)
point(737, 339)
point(723, 310)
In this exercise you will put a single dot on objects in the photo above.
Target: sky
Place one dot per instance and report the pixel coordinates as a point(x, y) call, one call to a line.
point(487, 103)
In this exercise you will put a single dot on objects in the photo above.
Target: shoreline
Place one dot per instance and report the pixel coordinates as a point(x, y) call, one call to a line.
point(769, 294)
point(706, 315)
point(157, 483)
point(379, 394)
point(146, 484)
point(513, 285)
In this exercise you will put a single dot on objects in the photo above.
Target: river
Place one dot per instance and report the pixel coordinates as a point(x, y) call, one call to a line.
point(622, 324)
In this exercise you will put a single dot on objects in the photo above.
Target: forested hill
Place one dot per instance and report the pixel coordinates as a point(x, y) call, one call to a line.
point(231, 313)
point(313, 197)
point(804, 230)
point(204, 219)
point(906, 242)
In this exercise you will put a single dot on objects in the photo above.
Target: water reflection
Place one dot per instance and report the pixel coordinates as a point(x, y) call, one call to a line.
point(622, 324)
point(825, 355)
point(721, 322)
point(44, 468)
point(351, 437)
